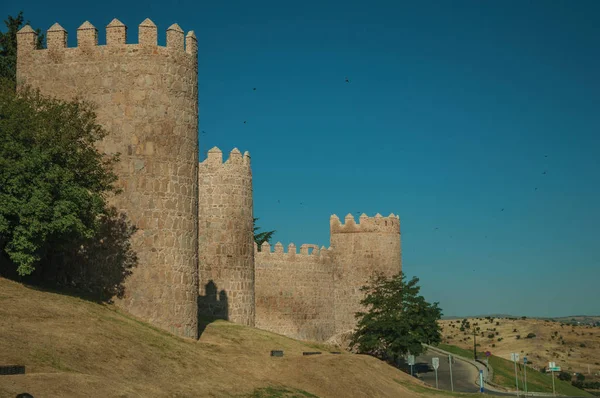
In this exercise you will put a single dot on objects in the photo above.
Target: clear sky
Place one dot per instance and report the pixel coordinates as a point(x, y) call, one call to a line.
point(454, 111)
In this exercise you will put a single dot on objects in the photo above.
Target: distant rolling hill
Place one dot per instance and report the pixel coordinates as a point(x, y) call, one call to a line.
point(575, 348)
point(587, 319)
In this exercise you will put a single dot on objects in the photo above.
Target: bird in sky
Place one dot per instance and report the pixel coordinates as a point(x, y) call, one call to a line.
point(544, 172)
point(254, 89)
point(244, 122)
point(347, 80)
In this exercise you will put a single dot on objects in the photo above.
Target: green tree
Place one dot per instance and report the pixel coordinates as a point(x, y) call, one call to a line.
point(53, 180)
point(565, 376)
point(8, 45)
point(261, 237)
point(397, 319)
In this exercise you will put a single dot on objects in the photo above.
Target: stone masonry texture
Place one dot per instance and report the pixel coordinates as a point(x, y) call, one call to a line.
point(195, 246)
point(358, 250)
point(226, 248)
point(294, 292)
point(315, 296)
point(147, 98)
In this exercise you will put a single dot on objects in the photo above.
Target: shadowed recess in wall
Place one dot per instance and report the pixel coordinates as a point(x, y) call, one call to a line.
point(94, 269)
point(214, 305)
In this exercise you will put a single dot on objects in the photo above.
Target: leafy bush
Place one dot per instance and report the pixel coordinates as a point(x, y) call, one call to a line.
point(565, 376)
point(530, 336)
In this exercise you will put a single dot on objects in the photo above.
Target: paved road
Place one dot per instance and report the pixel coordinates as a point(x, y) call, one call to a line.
point(464, 375)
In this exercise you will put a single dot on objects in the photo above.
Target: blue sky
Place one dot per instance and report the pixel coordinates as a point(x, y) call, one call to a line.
point(453, 112)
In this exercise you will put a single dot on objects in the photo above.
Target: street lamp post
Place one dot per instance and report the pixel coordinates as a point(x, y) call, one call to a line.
point(474, 344)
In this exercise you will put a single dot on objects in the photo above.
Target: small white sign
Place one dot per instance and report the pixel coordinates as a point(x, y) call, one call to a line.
point(411, 359)
point(514, 356)
point(435, 362)
point(551, 364)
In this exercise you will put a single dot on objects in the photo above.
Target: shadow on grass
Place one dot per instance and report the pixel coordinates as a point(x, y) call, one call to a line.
point(214, 305)
point(92, 269)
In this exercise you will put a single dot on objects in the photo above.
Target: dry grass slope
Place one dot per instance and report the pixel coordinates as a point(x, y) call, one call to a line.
point(581, 345)
point(76, 348)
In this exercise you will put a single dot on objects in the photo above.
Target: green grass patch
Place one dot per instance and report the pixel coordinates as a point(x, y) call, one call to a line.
point(280, 392)
point(504, 374)
point(50, 357)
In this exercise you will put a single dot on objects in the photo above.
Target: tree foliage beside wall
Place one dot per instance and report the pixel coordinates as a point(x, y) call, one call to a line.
point(397, 319)
point(8, 45)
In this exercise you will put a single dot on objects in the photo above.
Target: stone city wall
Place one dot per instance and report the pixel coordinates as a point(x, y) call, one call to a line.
point(294, 291)
point(358, 250)
point(147, 98)
point(226, 249)
point(195, 220)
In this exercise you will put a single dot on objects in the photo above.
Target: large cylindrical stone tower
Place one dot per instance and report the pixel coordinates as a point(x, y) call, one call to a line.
point(359, 250)
point(147, 98)
point(226, 238)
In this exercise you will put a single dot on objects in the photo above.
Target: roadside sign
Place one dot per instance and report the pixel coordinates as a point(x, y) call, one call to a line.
point(480, 380)
point(436, 364)
point(551, 364)
point(411, 360)
point(487, 353)
point(514, 356)
point(525, 360)
point(554, 369)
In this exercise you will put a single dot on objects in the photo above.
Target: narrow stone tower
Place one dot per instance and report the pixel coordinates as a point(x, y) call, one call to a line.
point(226, 238)
point(358, 250)
point(147, 98)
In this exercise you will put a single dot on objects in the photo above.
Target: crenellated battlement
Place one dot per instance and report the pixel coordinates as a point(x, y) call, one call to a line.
point(116, 38)
point(305, 251)
point(214, 159)
point(195, 218)
point(389, 224)
point(146, 96)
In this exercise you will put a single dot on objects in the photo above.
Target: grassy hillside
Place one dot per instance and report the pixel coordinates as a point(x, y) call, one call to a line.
point(76, 348)
point(504, 374)
point(574, 348)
